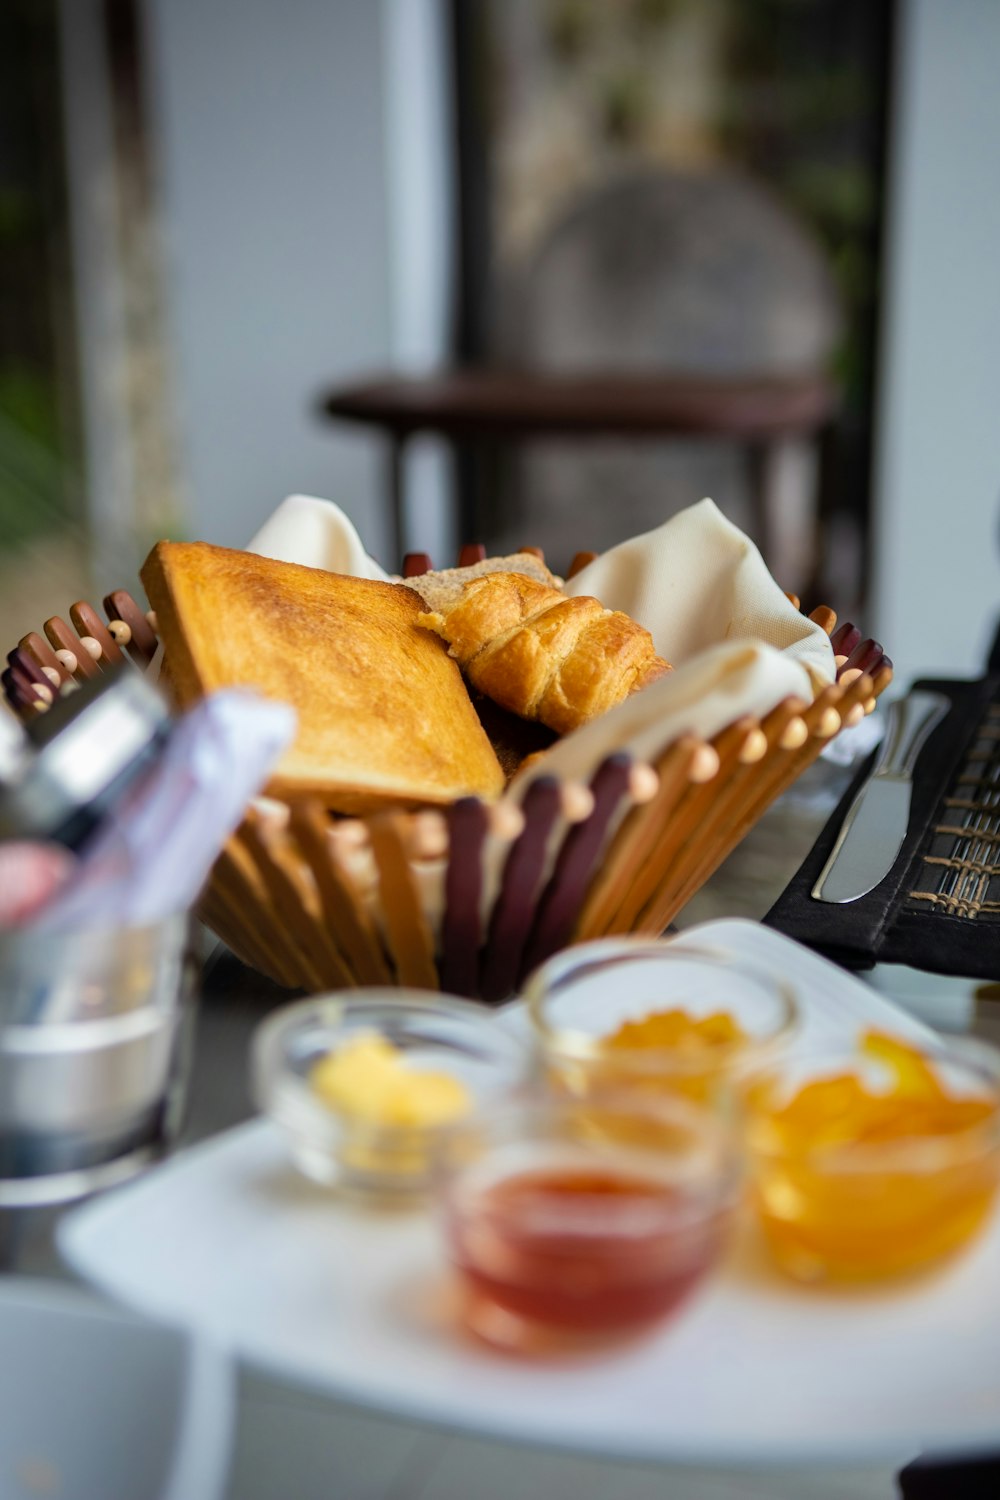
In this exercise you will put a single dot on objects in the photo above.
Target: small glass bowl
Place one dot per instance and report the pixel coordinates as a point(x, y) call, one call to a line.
point(573, 1222)
point(432, 1032)
point(579, 999)
point(852, 1207)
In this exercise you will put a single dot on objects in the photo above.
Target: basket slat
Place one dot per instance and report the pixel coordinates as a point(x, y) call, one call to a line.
point(685, 822)
point(238, 882)
point(143, 642)
point(88, 623)
point(296, 901)
point(344, 913)
point(635, 841)
point(719, 832)
point(560, 902)
point(62, 638)
point(461, 924)
point(407, 927)
point(290, 906)
point(226, 921)
point(513, 911)
point(750, 797)
point(42, 653)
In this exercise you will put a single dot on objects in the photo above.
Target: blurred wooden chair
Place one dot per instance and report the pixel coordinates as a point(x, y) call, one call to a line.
point(660, 306)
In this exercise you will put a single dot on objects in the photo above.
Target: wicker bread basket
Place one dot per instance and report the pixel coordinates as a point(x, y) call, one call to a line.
point(471, 898)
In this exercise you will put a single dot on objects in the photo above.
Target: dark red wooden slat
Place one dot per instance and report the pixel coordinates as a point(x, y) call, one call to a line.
point(513, 911)
point(42, 653)
point(845, 638)
point(24, 663)
point(560, 903)
point(461, 926)
point(64, 639)
point(120, 605)
point(88, 622)
point(19, 689)
point(867, 655)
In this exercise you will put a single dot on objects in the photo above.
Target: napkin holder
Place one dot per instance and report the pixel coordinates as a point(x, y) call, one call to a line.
point(938, 908)
point(470, 899)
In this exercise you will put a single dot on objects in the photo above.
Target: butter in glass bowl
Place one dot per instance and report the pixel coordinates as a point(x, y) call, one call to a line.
point(364, 1084)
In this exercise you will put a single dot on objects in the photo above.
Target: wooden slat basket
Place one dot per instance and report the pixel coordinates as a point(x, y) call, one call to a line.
point(469, 899)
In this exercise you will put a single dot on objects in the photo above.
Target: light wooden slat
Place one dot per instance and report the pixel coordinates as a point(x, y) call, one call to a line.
point(407, 927)
point(227, 921)
point(634, 842)
point(716, 837)
point(298, 904)
point(290, 902)
point(780, 768)
point(685, 822)
point(238, 882)
point(242, 904)
point(342, 906)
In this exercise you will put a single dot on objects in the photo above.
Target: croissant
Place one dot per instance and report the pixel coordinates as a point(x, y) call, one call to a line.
point(542, 655)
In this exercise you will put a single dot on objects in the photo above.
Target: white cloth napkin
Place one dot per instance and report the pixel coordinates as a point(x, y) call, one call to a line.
point(317, 534)
point(698, 580)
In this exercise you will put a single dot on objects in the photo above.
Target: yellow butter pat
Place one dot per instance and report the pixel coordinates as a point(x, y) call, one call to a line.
point(370, 1080)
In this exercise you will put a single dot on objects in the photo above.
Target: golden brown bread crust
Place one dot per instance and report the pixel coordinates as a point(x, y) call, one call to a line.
point(384, 715)
point(540, 654)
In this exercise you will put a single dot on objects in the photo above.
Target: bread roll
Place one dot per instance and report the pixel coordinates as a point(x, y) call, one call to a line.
point(542, 655)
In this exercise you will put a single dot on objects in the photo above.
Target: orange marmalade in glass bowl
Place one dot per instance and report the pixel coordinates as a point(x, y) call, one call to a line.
point(876, 1160)
point(655, 1016)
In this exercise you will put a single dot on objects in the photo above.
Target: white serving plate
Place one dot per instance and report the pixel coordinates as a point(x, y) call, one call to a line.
point(356, 1303)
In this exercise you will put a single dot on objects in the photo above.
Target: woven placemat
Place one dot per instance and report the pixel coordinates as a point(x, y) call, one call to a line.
point(939, 906)
point(957, 872)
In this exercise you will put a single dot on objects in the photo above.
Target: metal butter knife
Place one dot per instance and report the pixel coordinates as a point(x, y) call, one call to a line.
point(873, 831)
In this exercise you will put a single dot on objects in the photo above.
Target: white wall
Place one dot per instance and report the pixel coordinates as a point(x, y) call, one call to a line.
point(937, 575)
point(270, 119)
point(422, 251)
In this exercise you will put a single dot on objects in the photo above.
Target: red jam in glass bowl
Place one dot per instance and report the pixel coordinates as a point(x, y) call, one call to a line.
point(572, 1223)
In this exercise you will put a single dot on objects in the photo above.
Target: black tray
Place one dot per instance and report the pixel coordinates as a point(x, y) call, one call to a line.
point(939, 906)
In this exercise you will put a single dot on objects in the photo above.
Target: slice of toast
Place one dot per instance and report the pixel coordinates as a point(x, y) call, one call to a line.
point(384, 716)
